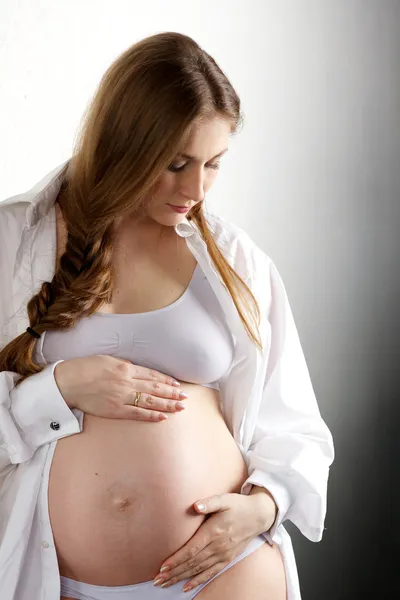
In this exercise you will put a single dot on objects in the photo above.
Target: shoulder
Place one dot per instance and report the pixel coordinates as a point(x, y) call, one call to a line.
point(252, 263)
point(16, 211)
point(238, 247)
point(13, 216)
point(12, 224)
point(12, 221)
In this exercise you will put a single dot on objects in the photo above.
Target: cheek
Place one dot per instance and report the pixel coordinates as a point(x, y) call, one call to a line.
point(163, 189)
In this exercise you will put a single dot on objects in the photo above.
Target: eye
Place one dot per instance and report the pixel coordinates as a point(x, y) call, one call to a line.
point(176, 169)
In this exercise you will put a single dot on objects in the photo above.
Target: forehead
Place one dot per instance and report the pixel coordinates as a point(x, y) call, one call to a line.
point(206, 139)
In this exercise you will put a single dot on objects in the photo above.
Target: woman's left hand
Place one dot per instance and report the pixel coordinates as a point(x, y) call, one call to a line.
point(222, 537)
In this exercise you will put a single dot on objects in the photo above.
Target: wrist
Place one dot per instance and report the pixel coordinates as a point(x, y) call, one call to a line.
point(60, 378)
point(266, 507)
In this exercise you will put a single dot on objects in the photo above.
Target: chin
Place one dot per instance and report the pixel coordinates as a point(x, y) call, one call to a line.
point(170, 215)
point(170, 220)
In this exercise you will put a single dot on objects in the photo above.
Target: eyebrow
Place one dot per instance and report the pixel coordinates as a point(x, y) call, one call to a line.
point(194, 158)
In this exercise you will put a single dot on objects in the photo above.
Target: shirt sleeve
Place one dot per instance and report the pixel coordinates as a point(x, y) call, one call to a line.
point(32, 414)
point(291, 449)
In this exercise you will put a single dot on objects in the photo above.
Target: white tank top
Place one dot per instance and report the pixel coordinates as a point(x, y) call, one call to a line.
point(188, 339)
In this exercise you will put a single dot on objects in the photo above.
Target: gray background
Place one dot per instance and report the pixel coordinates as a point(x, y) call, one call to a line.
point(347, 299)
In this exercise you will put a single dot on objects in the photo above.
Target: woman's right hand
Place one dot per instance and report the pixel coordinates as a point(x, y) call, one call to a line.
point(105, 386)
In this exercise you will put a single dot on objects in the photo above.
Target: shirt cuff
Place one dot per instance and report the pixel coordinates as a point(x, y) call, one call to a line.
point(280, 495)
point(39, 410)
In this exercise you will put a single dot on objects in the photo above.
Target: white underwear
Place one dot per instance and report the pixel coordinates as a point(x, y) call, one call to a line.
point(146, 590)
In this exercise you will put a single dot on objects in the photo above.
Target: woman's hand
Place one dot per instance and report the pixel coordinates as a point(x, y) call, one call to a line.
point(105, 386)
point(222, 537)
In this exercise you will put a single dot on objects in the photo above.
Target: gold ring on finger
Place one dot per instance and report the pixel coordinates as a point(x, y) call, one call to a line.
point(137, 398)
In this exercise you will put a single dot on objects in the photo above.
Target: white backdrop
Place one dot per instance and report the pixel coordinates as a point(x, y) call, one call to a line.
point(313, 176)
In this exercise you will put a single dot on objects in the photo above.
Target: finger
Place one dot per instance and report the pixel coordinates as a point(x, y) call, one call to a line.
point(216, 503)
point(196, 545)
point(160, 404)
point(195, 565)
point(151, 402)
point(161, 390)
point(139, 372)
point(142, 414)
point(142, 381)
point(204, 576)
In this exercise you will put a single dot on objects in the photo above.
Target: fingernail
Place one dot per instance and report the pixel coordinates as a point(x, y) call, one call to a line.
point(166, 584)
point(180, 405)
point(162, 417)
point(158, 581)
point(183, 395)
point(175, 383)
point(166, 568)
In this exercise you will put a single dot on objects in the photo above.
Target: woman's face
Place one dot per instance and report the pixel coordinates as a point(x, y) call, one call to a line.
point(187, 180)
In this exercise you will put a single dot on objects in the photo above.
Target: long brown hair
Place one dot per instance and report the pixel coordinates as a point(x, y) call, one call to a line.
point(143, 110)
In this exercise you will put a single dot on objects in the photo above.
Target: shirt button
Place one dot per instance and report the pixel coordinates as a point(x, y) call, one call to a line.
point(55, 425)
point(45, 545)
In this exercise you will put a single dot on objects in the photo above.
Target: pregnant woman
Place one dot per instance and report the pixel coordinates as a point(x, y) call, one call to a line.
point(150, 362)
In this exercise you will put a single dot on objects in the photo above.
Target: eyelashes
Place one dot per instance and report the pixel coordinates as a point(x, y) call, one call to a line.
point(175, 169)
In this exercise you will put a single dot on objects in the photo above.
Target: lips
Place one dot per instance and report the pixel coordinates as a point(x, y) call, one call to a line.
point(179, 209)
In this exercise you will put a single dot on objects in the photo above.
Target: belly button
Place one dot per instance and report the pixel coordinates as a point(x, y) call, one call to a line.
point(122, 504)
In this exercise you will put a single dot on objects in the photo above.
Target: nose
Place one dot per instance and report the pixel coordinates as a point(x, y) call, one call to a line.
point(193, 185)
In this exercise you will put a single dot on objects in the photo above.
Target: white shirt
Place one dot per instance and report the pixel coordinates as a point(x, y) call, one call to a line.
point(267, 397)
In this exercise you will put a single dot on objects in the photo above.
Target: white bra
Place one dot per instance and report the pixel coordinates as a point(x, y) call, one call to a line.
point(188, 339)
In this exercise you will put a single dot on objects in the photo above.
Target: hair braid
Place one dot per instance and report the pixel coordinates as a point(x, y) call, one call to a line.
point(82, 282)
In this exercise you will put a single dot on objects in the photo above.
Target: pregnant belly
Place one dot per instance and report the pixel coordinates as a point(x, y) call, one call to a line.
point(121, 492)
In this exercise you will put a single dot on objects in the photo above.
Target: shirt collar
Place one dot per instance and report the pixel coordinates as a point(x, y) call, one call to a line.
point(185, 228)
point(43, 195)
